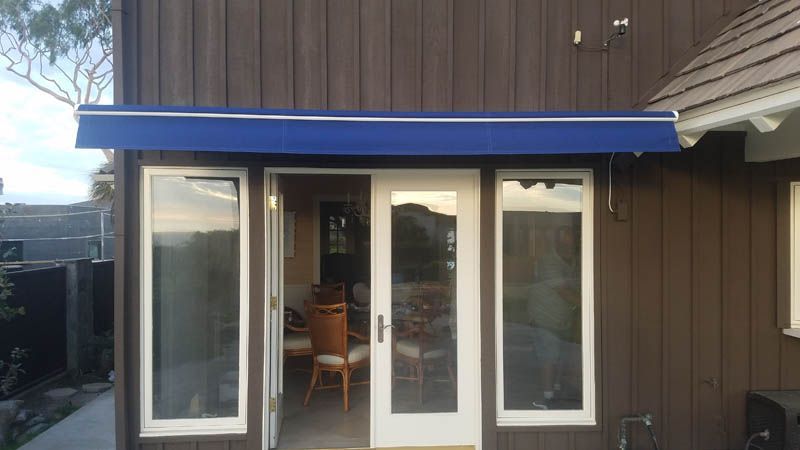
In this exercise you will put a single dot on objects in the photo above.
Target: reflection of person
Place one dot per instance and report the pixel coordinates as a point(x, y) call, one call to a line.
point(554, 309)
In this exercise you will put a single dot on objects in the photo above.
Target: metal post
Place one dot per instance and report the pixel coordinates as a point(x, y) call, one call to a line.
point(79, 313)
point(102, 237)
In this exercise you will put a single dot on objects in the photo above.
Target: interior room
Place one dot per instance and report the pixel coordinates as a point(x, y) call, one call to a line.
point(326, 285)
point(327, 307)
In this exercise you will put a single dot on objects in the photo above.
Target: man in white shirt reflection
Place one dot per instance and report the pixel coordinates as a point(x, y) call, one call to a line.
point(554, 312)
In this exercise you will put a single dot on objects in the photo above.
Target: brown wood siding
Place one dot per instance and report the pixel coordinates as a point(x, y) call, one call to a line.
point(687, 296)
point(414, 54)
point(688, 281)
point(685, 293)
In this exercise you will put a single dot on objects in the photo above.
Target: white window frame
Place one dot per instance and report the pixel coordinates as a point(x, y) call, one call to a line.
point(793, 322)
point(182, 427)
point(587, 415)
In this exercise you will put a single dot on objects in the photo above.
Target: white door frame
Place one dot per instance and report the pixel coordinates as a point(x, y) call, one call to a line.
point(393, 430)
point(474, 175)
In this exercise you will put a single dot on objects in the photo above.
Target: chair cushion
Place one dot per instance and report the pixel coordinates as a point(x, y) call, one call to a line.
point(355, 353)
point(410, 348)
point(297, 341)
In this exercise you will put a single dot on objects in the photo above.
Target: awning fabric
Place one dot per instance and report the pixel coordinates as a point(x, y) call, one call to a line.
point(373, 133)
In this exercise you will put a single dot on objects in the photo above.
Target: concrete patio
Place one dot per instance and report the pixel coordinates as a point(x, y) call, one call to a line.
point(89, 428)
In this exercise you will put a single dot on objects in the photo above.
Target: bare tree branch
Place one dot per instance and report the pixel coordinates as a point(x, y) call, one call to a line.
point(79, 66)
point(26, 76)
point(51, 80)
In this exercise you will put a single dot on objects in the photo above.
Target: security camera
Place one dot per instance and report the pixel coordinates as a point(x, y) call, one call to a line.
point(622, 26)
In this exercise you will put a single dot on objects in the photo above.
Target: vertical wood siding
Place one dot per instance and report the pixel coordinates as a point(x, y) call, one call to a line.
point(688, 296)
point(688, 282)
point(415, 54)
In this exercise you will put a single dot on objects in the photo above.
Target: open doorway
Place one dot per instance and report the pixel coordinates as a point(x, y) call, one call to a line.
point(394, 254)
point(325, 300)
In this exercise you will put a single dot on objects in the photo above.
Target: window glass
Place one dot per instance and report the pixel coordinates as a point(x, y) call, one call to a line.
point(424, 357)
point(542, 345)
point(195, 297)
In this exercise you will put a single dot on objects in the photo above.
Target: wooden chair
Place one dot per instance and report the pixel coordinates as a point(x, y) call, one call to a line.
point(327, 325)
point(327, 294)
point(297, 342)
point(419, 347)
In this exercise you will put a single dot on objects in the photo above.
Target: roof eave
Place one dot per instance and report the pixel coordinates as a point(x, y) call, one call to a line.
point(765, 108)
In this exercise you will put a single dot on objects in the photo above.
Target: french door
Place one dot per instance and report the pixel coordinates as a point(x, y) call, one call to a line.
point(424, 376)
point(425, 323)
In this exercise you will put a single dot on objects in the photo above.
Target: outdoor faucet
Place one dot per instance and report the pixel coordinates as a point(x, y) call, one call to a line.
point(646, 420)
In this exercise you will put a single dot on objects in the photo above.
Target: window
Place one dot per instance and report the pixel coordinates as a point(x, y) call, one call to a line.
point(789, 316)
point(12, 250)
point(337, 234)
point(544, 314)
point(93, 248)
point(194, 301)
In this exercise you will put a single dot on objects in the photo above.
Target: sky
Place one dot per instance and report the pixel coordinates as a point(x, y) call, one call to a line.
point(38, 160)
point(561, 198)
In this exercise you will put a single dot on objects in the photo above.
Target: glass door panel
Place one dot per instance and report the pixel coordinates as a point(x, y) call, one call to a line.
point(425, 345)
point(424, 301)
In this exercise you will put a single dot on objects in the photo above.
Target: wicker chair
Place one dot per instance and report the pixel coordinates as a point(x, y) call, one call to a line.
point(297, 342)
point(418, 348)
point(327, 294)
point(327, 325)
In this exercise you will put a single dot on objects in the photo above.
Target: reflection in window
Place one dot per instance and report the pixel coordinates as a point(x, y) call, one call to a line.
point(542, 345)
point(424, 301)
point(195, 297)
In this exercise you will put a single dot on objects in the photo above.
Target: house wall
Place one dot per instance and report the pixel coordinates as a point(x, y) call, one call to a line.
point(686, 293)
point(409, 54)
point(686, 288)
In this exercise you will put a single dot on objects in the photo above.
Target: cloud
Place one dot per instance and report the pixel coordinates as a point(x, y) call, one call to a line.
point(38, 161)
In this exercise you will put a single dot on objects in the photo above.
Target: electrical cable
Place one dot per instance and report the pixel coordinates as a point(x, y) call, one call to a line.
point(762, 434)
point(610, 160)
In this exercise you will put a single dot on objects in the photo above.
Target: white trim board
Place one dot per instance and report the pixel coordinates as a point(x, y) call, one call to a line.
point(531, 417)
point(765, 108)
point(194, 426)
point(222, 115)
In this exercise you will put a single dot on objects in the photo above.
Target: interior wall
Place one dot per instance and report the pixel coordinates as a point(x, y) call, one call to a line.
point(300, 194)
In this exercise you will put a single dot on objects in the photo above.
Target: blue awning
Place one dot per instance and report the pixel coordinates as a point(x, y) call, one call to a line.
point(309, 132)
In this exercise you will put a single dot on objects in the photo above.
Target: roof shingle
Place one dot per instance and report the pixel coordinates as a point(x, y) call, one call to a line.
point(760, 47)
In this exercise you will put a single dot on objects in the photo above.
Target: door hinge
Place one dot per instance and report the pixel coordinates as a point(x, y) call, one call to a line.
point(273, 303)
point(273, 404)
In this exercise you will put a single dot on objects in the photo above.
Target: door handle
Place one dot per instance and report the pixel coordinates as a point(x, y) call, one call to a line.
point(382, 327)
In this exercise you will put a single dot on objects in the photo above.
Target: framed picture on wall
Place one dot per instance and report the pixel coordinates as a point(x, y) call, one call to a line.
point(288, 234)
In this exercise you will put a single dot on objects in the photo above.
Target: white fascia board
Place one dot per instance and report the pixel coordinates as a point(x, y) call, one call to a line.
point(794, 332)
point(769, 122)
point(687, 140)
point(766, 107)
